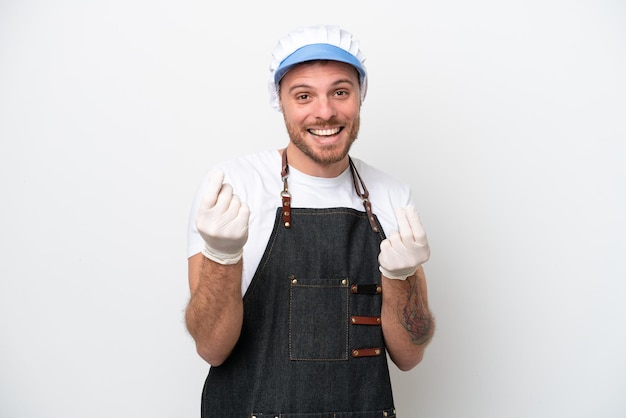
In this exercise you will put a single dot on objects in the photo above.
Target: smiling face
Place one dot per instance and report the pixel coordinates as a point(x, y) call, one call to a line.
point(321, 104)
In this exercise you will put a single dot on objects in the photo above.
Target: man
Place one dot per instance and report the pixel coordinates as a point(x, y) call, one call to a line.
point(326, 250)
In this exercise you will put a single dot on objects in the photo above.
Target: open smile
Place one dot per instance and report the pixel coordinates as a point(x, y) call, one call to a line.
point(325, 132)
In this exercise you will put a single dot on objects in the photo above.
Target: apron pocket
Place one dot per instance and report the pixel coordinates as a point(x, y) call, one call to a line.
point(318, 319)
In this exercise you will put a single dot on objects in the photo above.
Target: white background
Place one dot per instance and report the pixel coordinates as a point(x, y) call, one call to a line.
point(507, 117)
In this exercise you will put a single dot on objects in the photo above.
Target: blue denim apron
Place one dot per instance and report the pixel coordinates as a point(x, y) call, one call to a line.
point(311, 344)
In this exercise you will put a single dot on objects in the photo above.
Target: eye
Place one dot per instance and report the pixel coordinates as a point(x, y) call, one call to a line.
point(302, 96)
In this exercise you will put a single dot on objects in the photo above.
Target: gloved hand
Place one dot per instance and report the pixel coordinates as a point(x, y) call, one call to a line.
point(405, 249)
point(222, 221)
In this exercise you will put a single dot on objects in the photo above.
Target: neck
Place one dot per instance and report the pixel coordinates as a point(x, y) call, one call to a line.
point(306, 165)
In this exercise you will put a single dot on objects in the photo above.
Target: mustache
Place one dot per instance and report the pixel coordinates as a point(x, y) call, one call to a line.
point(323, 123)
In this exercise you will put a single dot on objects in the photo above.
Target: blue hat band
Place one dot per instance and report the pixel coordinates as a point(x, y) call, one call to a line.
point(317, 52)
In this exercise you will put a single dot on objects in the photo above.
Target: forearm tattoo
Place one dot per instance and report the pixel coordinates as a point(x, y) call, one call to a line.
point(414, 316)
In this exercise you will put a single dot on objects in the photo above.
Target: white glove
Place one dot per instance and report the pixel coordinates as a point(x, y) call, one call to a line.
point(405, 249)
point(222, 221)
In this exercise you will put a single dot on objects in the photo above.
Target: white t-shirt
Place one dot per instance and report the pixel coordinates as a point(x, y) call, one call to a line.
point(256, 179)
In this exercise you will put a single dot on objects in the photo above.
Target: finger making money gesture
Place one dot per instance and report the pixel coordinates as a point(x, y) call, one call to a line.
point(222, 221)
point(406, 249)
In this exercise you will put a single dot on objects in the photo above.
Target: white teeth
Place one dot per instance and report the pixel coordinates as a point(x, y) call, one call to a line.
point(324, 132)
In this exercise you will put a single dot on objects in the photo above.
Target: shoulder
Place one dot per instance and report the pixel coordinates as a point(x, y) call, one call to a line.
point(380, 183)
point(386, 193)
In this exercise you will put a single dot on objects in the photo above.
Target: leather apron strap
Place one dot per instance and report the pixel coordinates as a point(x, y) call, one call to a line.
point(359, 187)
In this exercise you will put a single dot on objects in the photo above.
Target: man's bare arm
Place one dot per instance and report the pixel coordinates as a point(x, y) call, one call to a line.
point(214, 314)
point(407, 322)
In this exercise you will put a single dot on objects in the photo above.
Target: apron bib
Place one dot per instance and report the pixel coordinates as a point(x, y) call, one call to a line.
point(311, 344)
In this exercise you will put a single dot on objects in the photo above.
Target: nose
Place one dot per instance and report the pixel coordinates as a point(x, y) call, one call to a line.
point(325, 108)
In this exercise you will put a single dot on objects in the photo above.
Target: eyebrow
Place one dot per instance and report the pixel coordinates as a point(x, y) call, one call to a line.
point(335, 83)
